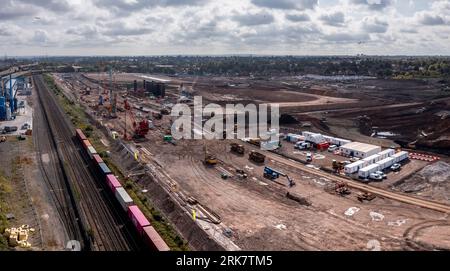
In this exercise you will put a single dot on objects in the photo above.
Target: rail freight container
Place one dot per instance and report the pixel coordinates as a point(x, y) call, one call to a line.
point(86, 144)
point(91, 151)
point(401, 156)
point(104, 169)
point(371, 159)
point(153, 240)
point(98, 159)
point(124, 199)
point(112, 182)
point(385, 163)
point(386, 153)
point(80, 135)
point(138, 218)
point(365, 172)
point(353, 167)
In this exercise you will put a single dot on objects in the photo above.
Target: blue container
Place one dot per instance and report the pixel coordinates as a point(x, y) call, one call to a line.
point(2, 108)
point(104, 168)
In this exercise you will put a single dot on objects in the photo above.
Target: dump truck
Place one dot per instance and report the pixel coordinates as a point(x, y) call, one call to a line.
point(256, 157)
point(236, 148)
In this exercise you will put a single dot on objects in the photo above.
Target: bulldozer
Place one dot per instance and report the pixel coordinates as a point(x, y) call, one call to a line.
point(256, 157)
point(365, 196)
point(236, 148)
point(342, 189)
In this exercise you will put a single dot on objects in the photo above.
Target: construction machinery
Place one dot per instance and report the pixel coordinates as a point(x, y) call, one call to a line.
point(272, 174)
point(341, 188)
point(365, 196)
point(236, 148)
point(210, 159)
point(2, 139)
point(141, 128)
point(338, 166)
point(256, 157)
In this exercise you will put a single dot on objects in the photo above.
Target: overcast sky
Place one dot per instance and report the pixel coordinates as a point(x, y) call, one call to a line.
point(155, 27)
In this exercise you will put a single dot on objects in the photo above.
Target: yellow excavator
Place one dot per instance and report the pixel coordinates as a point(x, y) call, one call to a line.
point(210, 159)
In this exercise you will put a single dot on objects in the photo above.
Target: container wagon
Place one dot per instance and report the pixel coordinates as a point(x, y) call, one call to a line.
point(124, 199)
point(104, 169)
point(80, 135)
point(154, 240)
point(112, 182)
point(91, 151)
point(86, 144)
point(98, 160)
point(138, 218)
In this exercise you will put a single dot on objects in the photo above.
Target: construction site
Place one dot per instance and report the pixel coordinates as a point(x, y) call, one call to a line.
point(350, 168)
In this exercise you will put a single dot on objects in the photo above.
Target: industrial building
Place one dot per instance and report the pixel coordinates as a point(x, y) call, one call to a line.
point(360, 150)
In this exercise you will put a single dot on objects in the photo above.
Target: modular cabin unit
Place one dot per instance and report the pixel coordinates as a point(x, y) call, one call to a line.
point(112, 182)
point(401, 156)
point(371, 159)
point(104, 169)
point(124, 199)
point(138, 218)
point(365, 172)
point(91, 151)
point(353, 167)
point(358, 149)
point(313, 137)
point(294, 138)
point(153, 240)
point(336, 141)
point(385, 163)
point(386, 153)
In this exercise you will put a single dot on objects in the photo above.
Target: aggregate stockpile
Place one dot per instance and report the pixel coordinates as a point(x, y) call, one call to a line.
point(19, 236)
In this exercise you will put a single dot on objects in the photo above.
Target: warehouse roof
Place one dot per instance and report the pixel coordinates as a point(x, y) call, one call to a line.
point(361, 147)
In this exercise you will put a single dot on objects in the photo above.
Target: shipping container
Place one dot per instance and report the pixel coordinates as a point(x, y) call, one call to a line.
point(401, 156)
point(365, 172)
point(124, 199)
point(91, 152)
point(385, 163)
point(353, 167)
point(80, 135)
point(98, 159)
point(104, 169)
point(112, 182)
point(138, 218)
point(154, 240)
point(86, 144)
point(386, 153)
point(371, 159)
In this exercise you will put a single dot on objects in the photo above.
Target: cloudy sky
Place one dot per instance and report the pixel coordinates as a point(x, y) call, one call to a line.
point(155, 27)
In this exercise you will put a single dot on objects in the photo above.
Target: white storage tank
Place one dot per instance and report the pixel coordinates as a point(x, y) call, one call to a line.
point(385, 163)
point(365, 172)
point(386, 153)
point(353, 167)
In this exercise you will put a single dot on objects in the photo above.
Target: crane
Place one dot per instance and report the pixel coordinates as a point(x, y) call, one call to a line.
point(141, 128)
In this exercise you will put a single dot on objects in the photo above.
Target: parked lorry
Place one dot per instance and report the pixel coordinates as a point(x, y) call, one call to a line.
point(236, 148)
point(256, 157)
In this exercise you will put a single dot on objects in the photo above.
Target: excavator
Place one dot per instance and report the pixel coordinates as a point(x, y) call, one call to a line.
point(272, 174)
point(141, 128)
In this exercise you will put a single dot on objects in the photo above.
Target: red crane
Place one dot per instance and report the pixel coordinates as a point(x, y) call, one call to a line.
point(140, 128)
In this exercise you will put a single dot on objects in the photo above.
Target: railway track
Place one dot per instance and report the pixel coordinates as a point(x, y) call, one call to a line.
point(107, 228)
point(360, 186)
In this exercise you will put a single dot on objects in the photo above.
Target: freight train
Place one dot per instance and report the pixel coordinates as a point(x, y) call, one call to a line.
point(143, 227)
